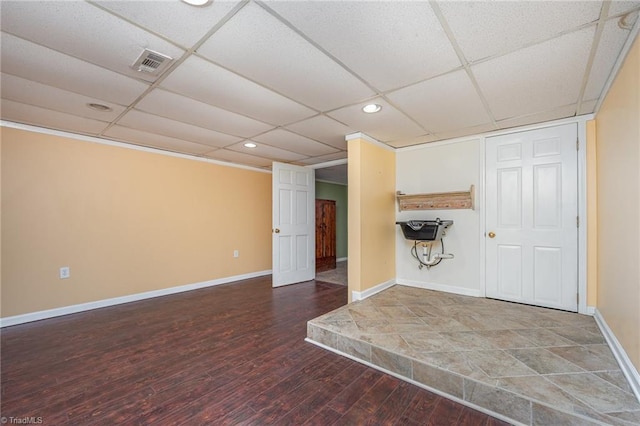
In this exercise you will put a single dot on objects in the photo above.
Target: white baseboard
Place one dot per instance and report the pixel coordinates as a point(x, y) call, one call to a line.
point(627, 367)
point(360, 295)
point(341, 259)
point(591, 310)
point(66, 310)
point(441, 287)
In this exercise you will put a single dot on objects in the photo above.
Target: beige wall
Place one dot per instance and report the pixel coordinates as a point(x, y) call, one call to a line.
point(0, 225)
point(125, 221)
point(618, 160)
point(372, 186)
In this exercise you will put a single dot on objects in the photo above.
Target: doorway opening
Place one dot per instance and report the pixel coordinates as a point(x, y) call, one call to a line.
point(331, 222)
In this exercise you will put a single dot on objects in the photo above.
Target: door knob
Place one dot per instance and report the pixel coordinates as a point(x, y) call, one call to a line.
point(277, 231)
point(492, 234)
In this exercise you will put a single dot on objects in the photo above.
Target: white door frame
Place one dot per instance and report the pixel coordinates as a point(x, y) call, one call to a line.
point(582, 203)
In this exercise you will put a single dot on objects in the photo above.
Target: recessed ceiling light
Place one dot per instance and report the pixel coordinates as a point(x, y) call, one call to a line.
point(99, 107)
point(371, 108)
point(197, 2)
point(250, 145)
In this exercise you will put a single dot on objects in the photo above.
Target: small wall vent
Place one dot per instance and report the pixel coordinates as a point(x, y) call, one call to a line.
point(151, 62)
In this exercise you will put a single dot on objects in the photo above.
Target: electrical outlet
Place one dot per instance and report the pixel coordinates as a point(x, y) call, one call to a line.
point(236, 253)
point(65, 272)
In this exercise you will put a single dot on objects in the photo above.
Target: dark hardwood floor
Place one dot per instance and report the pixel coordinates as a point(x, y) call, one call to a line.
point(231, 354)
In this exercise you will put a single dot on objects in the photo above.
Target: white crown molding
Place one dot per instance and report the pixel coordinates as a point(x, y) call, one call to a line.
point(479, 136)
point(109, 142)
point(360, 135)
point(329, 164)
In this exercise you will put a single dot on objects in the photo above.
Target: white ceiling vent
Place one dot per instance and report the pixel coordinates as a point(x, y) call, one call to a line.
point(151, 62)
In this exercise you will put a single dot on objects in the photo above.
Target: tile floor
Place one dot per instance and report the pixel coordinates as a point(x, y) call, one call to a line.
point(334, 276)
point(531, 365)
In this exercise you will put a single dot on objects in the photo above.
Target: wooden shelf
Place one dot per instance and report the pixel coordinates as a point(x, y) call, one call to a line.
point(437, 201)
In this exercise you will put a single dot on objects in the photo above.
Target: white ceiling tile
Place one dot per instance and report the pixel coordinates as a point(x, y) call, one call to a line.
point(411, 141)
point(588, 107)
point(156, 141)
point(217, 86)
point(456, 133)
point(267, 151)
point(76, 28)
point(501, 26)
point(239, 157)
point(29, 114)
point(388, 124)
point(323, 129)
point(542, 77)
point(33, 62)
point(390, 44)
point(443, 103)
point(285, 139)
point(611, 42)
point(276, 55)
point(268, 71)
point(175, 129)
point(325, 158)
point(337, 174)
point(311, 160)
point(541, 117)
point(37, 94)
point(200, 19)
point(621, 6)
point(180, 108)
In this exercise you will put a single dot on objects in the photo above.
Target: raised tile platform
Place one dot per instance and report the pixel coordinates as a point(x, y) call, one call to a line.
point(530, 365)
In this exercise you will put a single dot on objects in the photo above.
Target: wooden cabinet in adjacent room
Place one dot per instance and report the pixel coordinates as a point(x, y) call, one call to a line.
point(325, 235)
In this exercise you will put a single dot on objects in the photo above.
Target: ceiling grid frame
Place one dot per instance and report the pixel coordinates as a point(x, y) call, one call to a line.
point(50, 92)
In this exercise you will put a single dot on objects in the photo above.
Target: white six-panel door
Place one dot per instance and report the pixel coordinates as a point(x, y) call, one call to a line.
point(293, 215)
point(531, 233)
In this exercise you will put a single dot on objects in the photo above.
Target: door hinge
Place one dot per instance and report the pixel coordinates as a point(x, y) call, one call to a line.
point(577, 144)
point(577, 221)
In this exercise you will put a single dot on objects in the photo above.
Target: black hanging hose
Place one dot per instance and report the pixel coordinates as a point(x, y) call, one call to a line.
point(414, 253)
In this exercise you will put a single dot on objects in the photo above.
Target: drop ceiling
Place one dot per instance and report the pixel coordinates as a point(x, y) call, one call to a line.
point(293, 76)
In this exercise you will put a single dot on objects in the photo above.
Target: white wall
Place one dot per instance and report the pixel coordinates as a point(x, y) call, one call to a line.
point(441, 168)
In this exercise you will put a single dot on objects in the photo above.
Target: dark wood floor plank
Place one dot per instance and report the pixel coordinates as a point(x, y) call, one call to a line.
point(446, 413)
point(325, 417)
point(378, 393)
point(393, 408)
point(242, 416)
point(496, 422)
point(352, 393)
point(356, 415)
point(421, 407)
point(348, 375)
point(231, 354)
point(471, 417)
point(312, 405)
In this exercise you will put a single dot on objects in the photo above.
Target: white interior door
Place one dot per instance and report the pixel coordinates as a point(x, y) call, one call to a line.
point(294, 234)
point(531, 217)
